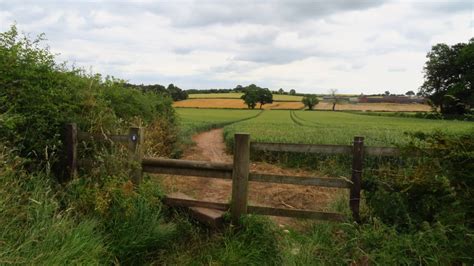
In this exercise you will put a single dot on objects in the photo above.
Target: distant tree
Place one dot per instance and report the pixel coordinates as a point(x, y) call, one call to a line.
point(449, 77)
point(254, 94)
point(292, 92)
point(264, 96)
point(238, 88)
point(176, 93)
point(250, 96)
point(410, 93)
point(335, 99)
point(281, 91)
point(387, 93)
point(310, 101)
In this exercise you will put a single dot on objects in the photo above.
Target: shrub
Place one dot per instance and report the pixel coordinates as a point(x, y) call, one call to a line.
point(438, 188)
point(39, 96)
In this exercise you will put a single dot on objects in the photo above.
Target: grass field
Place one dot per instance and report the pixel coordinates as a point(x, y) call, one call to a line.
point(237, 95)
point(195, 120)
point(239, 104)
point(316, 127)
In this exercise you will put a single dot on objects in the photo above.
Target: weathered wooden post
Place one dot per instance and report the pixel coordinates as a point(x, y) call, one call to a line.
point(135, 145)
point(71, 150)
point(240, 176)
point(357, 160)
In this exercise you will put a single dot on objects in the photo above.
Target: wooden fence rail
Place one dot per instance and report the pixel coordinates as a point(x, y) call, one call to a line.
point(134, 141)
point(238, 171)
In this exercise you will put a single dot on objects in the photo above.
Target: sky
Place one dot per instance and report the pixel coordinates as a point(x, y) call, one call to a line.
point(313, 46)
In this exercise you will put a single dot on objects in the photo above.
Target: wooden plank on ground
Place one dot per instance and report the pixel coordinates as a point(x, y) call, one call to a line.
point(301, 148)
point(209, 213)
point(296, 213)
point(300, 180)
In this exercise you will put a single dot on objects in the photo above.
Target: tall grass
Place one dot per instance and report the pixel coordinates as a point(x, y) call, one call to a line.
point(34, 229)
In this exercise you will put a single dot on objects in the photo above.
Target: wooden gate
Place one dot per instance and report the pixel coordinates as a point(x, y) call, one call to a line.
point(239, 172)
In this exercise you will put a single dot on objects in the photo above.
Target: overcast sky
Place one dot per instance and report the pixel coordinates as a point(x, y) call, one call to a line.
point(311, 46)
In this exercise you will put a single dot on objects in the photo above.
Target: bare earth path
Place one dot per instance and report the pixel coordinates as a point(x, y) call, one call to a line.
point(210, 146)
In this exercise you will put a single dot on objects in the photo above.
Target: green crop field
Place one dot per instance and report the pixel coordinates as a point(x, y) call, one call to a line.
point(195, 120)
point(236, 95)
point(320, 127)
point(326, 127)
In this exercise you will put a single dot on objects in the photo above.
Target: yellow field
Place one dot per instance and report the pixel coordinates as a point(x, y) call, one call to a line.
point(233, 103)
point(239, 104)
point(236, 95)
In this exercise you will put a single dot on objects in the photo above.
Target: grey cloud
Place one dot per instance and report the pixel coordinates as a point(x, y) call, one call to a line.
point(203, 13)
point(263, 36)
point(445, 6)
point(235, 67)
point(273, 55)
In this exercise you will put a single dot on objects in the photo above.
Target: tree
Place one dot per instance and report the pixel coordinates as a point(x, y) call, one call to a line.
point(254, 94)
point(335, 99)
point(239, 88)
point(292, 92)
point(310, 101)
point(176, 93)
point(264, 96)
point(387, 93)
point(410, 93)
point(449, 77)
point(250, 98)
point(281, 91)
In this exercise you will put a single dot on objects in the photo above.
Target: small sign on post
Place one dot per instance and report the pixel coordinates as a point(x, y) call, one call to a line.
point(240, 176)
point(135, 144)
point(357, 161)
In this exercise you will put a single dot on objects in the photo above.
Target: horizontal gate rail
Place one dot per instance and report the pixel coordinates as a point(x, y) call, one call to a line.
point(259, 210)
point(187, 168)
point(300, 180)
point(324, 149)
point(301, 148)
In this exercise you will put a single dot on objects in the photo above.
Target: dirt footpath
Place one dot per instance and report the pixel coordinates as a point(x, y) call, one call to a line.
point(210, 146)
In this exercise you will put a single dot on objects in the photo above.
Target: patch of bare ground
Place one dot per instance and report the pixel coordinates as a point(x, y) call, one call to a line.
point(210, 146)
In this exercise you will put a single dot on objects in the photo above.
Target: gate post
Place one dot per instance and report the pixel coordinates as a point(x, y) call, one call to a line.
point(357, 160)
point(71, 150)
point(240, 176)
point(135, 143)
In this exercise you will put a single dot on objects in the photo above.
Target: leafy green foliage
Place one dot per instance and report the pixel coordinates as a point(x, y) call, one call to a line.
point(310, 101)
point(39, 96)
point(254, 94)
point(449, 77)
point(438, 188)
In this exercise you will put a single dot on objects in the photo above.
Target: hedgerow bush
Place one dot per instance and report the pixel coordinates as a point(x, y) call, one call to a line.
point(438, 188)
point(39, 96)
point(98, 217)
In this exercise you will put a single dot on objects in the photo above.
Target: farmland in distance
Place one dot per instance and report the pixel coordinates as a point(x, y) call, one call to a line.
point(318, 127)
